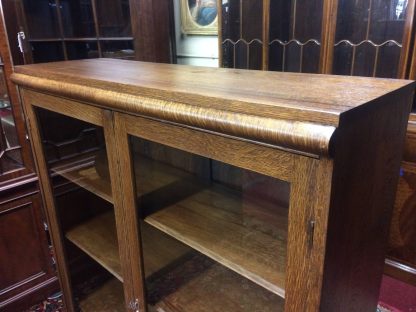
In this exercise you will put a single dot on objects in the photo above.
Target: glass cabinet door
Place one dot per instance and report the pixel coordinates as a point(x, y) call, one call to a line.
point(242, 34)
point(272, 35)
point(76, 158)
point(10, 148)
point(213, 235)
point(371, 37)
point(295, 35)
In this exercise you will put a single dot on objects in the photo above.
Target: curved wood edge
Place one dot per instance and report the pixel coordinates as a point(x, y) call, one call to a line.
point(304, 137)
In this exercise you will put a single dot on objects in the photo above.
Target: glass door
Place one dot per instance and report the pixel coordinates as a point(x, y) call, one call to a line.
point(10, 148)
point(213, 235)
point(242, 34)
point(56, 30)
point(272, 35)
point(43, 31)
point(295, 35)
point(372, 37)
point(81, 191)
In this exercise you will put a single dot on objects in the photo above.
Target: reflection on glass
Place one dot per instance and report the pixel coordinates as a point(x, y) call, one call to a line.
point(400, 8)
point(374, 31)
point(73, 139)
point(78, 168)
point(213, 235)
point(10, 151)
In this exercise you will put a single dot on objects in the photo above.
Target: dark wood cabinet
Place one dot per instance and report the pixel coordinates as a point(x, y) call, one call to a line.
point(56, 30)
point(26, 264)
point(364, 38)
point(27, 274)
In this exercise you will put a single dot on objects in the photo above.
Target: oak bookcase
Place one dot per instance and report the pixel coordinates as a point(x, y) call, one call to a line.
point(218, 189)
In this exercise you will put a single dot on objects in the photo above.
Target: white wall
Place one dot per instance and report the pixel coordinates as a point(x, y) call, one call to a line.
point(194, 49)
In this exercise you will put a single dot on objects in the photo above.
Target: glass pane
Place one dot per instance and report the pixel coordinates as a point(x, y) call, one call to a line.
point(77, 18)
point(118, 49)
point(295, 35)
point(47, 52)
point(214, 236)
point(42, 19)
point(242, 33)
point(81, 49)
point(114, 18)
point(374, 31)
point(10, 150)
point(78, 167)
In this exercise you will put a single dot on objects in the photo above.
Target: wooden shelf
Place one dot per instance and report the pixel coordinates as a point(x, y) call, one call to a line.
point(82, 171)
point(98, 239)
point(107, 297)
point(222, 226)
point(214, 221)
point(219, 289)
point(87, 177)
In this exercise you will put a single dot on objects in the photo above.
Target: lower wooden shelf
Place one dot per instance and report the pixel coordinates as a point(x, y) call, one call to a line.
point(215, 288)
point(98, 239)
point(222, 225)
point(107, 297)
point(246, 237)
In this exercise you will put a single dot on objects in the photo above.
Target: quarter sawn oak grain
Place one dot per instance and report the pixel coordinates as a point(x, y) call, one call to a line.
point(334, 139)
point(297, 111)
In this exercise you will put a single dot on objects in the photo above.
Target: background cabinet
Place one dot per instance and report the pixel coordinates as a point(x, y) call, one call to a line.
point(56, 30)
point(26, 266)
point(365, 38)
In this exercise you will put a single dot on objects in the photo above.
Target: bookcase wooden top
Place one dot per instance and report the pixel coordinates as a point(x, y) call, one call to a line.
point(256, 103)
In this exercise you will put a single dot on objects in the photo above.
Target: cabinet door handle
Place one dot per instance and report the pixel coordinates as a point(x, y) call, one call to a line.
point(20, 37)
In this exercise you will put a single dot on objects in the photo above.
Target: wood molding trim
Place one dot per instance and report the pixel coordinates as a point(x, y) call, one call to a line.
point(305, 137)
